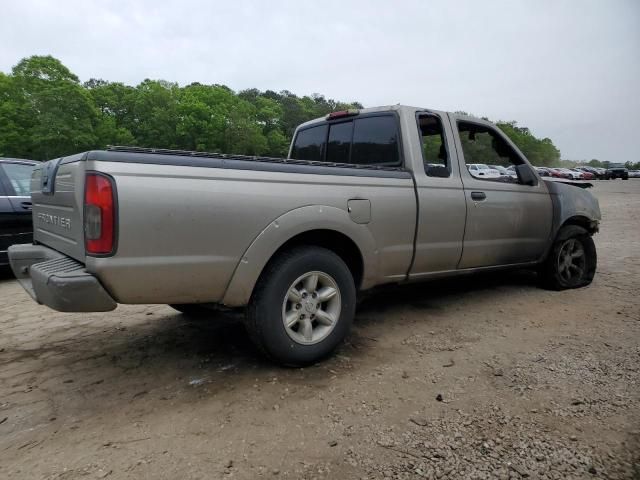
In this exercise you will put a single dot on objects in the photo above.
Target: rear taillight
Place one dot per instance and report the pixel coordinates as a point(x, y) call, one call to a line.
point(99, 214)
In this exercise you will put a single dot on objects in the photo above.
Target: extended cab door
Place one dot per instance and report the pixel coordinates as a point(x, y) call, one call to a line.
point(441, 201)
point(507, 222)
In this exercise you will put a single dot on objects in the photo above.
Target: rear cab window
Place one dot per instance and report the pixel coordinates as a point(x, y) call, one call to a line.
point(309, 144)
point(370, 140)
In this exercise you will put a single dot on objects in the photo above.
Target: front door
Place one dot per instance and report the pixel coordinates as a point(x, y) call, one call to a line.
point(507, 222)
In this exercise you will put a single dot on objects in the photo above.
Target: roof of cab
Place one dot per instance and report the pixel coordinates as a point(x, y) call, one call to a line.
point(399, 108)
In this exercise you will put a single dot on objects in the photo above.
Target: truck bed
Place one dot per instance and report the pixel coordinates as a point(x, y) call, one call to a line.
point(191, 216)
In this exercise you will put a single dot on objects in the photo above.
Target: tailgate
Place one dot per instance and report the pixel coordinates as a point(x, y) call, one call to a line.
point(57, 193)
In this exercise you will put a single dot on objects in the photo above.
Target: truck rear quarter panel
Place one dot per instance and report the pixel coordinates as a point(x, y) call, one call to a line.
point(186, 229)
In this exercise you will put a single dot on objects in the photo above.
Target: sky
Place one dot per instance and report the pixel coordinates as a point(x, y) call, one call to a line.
point(567, 69)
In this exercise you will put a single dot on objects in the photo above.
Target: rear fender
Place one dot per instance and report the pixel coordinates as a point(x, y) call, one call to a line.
point(287, 226)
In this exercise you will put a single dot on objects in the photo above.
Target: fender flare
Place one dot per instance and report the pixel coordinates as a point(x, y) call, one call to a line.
point(284, 228)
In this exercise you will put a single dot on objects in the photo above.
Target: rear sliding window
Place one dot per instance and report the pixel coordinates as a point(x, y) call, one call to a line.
point(310, 144)
point(362, 141)
point(339, 145)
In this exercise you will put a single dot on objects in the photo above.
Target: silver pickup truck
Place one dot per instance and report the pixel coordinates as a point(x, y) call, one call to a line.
point(368, 197)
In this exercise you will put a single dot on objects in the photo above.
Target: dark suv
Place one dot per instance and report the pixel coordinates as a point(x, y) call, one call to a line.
point(16, 225)
point(617, 170)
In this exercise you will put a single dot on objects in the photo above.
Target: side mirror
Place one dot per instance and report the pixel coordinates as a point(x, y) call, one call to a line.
point(525, 175)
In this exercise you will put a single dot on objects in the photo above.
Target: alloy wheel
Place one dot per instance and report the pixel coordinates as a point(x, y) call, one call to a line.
point(311, 308)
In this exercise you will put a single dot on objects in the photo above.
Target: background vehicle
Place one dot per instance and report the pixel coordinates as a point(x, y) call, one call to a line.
point(584, 174)
point(16, 225)
point(617, 170)
point(559, 173)
point(570, 174)
point(634, 173)
point(594, 171)
point(506, 175)
point(481, 170)
point(543, 172)
point(361, 201)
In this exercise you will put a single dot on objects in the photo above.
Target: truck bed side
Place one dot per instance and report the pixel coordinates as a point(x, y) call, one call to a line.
point(188, 221)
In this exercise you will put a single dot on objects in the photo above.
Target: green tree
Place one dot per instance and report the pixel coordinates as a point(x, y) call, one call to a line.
point(540, 152)
point(114, 103)
point(153, 117)
point(16, 119)
point(63, 115)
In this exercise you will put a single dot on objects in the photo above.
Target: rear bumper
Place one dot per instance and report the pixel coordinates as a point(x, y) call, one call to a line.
point(58, 281)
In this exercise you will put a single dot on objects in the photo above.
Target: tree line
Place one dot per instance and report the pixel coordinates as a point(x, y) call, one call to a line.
point(46, 112)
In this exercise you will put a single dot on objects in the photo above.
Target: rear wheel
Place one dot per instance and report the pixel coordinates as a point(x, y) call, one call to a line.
point(302, 307)
point(572, 261)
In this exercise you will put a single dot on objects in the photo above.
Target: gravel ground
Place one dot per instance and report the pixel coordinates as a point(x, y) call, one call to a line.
point(485, 377)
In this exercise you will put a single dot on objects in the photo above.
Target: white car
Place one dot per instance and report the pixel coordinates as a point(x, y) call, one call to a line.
point(480, 170)
point(574, 175)
point(505, 172)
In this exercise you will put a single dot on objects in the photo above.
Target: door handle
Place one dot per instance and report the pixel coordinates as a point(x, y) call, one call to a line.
point(479, 196)
point(26, 205)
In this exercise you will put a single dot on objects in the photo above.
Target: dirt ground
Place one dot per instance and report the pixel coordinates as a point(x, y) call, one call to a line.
point(486, 377)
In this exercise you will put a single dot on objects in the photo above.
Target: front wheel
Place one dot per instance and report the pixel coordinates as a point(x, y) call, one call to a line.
point(302, 306)
point(572, 260)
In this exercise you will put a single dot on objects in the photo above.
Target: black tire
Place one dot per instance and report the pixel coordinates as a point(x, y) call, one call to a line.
point(192, 310)
point(559, 271)
point(265, 314)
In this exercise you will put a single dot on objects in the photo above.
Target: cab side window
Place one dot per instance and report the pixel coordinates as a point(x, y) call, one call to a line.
point(487, 155)
point(434, 150)
point(375, 141)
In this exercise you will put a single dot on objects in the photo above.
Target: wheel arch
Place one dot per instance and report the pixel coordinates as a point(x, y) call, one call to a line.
point(581, 221)
point(323, 226)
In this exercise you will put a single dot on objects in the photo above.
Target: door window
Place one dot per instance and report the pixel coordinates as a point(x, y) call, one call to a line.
point(487, 154)
point(434, 150)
